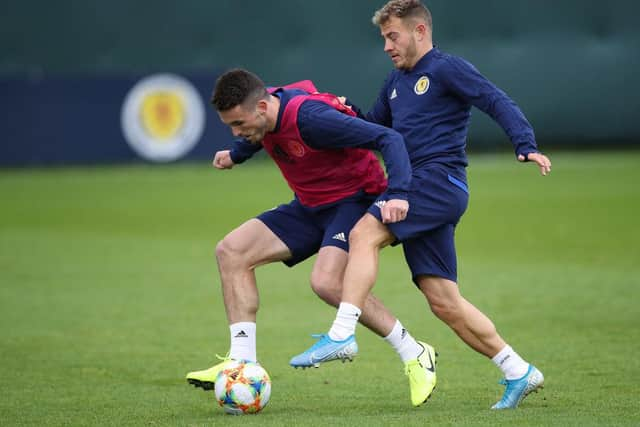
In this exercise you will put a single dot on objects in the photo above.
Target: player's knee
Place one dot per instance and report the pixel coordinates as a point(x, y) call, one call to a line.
point(361, 238)
point(356, 236)
point(227, 253)
point(446, 310)
point(327, 287)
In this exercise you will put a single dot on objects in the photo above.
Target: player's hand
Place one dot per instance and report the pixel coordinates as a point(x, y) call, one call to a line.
point(540, 159)
point(343, 101)
point(394, 210)
point(222, 160)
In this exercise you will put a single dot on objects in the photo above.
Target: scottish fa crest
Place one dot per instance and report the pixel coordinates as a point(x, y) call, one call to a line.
point(162, 117)
point(422, 85)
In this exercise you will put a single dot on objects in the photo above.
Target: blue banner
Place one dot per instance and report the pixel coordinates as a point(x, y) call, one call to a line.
point(62, 120)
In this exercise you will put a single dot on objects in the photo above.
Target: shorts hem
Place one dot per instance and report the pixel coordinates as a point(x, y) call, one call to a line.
point(451, 277)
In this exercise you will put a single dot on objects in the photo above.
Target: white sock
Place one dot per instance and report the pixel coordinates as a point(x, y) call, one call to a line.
point(403, 343)
point(510, 363)
point(243, 341)
point(346, 320)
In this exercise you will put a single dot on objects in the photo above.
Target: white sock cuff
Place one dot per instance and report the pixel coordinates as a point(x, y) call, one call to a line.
point(396, 331)
point(345, 307)
point(345, 322)
point(497, 359)
point(510, 363)
point(243, 341)
point(403, 343)
point(247, 327)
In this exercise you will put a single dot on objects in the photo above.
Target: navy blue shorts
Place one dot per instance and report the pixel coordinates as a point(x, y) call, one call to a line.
point(306, 230)
point(437, 199)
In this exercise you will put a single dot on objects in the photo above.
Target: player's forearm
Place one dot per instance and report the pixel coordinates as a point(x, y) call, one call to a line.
point(514, 123)
point(243, 150)
point(396, 161)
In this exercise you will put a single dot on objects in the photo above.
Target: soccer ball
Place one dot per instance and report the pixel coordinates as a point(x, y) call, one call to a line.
point(242, 388)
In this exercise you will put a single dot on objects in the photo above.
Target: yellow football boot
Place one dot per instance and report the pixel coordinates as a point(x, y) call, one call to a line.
point(206, 379)
point(422, 374)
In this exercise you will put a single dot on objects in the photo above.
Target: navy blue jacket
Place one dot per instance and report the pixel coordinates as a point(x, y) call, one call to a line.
point(430, 106)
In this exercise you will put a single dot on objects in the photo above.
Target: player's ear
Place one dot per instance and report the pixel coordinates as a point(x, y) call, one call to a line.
point(420, 30)
point(261, 106)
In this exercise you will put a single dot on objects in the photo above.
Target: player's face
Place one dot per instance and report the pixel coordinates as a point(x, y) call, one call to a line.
point(399, 43)
point(249, 123)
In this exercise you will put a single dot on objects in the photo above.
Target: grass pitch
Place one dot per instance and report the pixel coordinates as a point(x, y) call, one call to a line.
point(109, 294)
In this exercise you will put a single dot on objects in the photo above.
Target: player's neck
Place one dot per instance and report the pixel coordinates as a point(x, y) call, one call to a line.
point(422, 51)
point(273, 107)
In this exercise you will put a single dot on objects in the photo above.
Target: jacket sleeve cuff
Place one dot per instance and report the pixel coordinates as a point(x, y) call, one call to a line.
point(237, 157)
point(397, 194)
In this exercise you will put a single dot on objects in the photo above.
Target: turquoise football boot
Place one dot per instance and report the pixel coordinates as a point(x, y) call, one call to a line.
point(326, 350)
point(519, 388)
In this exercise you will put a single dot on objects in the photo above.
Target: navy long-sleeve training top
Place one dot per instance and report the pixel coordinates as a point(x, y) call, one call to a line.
point(430, 106)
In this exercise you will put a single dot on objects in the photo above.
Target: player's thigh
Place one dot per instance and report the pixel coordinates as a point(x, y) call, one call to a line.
point(255, 243)
point(351, 221)
point(370, 231)
point(297, 228)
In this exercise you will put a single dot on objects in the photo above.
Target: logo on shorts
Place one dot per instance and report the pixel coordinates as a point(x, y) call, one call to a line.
point(341, 237)
point(422, 85)
point(380, 203)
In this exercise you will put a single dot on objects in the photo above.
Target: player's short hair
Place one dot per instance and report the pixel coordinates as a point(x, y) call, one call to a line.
point(237, 87)
point(403, 9)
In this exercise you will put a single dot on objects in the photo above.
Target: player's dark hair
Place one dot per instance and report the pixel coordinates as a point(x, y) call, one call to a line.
point(237, 87)
point(402, 9)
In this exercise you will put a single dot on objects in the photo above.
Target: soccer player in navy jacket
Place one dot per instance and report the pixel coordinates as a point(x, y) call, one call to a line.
point(428, 98)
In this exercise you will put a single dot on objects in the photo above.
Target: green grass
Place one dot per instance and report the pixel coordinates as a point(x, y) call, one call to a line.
point(109, 294)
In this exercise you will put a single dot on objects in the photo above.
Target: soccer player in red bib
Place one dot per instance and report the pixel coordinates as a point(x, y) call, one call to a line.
point(428, 98)
point(324, 153)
